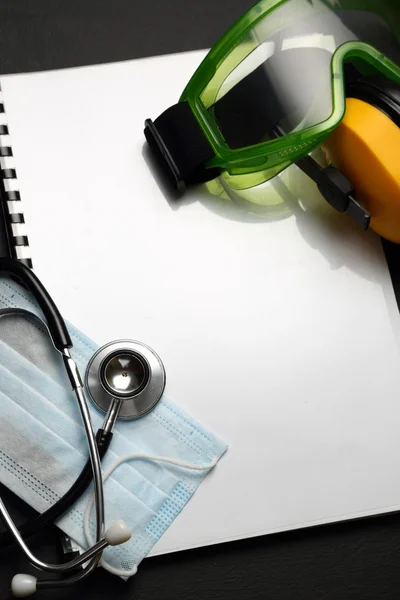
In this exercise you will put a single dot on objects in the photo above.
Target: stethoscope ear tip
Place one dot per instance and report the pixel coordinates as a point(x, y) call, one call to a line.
point(23, 585)
point(118, 533)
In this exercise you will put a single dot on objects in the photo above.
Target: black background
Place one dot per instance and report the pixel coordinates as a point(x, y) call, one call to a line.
point(355, 560)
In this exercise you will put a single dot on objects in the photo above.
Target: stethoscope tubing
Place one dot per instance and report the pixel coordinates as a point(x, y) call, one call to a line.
point(62, 341)
point(63, 504)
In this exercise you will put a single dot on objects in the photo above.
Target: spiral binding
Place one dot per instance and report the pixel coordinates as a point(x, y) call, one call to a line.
point(10, 196)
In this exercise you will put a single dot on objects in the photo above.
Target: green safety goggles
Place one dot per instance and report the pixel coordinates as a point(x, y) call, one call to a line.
point(273, 88)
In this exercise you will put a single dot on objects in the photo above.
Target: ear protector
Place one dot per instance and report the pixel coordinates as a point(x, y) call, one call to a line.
point(365, 148)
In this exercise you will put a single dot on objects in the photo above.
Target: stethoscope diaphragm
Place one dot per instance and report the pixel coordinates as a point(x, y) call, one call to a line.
point(129, 371)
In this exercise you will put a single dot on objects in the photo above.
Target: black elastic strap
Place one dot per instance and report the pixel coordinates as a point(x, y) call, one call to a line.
point(180, 144)
point(56, 511)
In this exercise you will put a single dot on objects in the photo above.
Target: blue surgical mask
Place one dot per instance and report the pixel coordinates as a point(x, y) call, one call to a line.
point(44, 447)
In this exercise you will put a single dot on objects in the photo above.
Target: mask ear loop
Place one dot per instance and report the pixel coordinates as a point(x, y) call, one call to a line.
point(106, 475)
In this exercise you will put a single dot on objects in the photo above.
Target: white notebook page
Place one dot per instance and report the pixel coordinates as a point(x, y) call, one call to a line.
point(278, 334)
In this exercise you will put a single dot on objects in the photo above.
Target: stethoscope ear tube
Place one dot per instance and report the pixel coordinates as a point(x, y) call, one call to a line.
point(57, 328)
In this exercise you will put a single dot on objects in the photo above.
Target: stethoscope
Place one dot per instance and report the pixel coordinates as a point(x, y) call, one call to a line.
point(125, 379)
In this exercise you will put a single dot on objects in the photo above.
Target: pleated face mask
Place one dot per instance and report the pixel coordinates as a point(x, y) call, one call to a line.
point(151, 470)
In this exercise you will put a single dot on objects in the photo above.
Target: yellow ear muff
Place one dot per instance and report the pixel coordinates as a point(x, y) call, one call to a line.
point(366, 148)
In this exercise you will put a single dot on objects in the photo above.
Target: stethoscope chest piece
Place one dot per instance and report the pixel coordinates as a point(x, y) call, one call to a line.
point(129, 371)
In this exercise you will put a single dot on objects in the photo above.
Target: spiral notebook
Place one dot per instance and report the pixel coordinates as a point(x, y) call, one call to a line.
point(13, 239)
point(281, 335)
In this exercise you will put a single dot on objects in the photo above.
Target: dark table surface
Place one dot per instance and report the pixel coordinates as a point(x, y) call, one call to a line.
point(354, 560)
